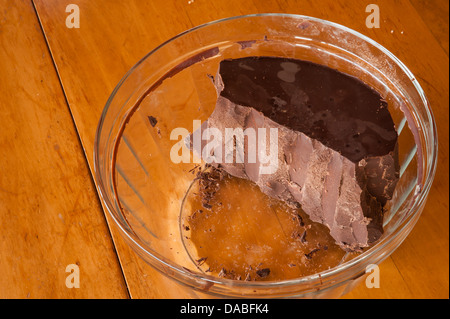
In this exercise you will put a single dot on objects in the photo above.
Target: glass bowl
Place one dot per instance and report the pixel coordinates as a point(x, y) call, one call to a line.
point(170, 87)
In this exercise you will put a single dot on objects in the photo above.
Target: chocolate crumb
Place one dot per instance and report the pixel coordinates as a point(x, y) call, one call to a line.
point(201, 261)
point(222, 273)
point(304, 25)
point(310, 255)
point(206, 205)
point(192, 170)
point(263, 272)
point(300, 220)
point(152, 121)
point(303, 237)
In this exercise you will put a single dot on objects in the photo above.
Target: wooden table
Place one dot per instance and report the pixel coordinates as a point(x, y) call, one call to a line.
point(54, 82)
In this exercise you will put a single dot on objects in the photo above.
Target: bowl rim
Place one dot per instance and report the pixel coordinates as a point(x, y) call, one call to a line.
point(419, 200)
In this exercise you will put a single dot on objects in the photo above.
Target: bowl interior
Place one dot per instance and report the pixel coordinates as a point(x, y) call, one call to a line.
point(171, 87)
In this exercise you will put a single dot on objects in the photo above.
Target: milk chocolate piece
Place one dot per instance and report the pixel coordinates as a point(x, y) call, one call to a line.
point(337, 144)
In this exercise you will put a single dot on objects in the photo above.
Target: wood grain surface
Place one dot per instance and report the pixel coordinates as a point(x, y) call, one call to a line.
point(50, 215)
point(55, 82)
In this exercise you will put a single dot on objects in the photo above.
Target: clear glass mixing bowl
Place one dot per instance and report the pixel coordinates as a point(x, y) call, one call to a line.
point(143, 189)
